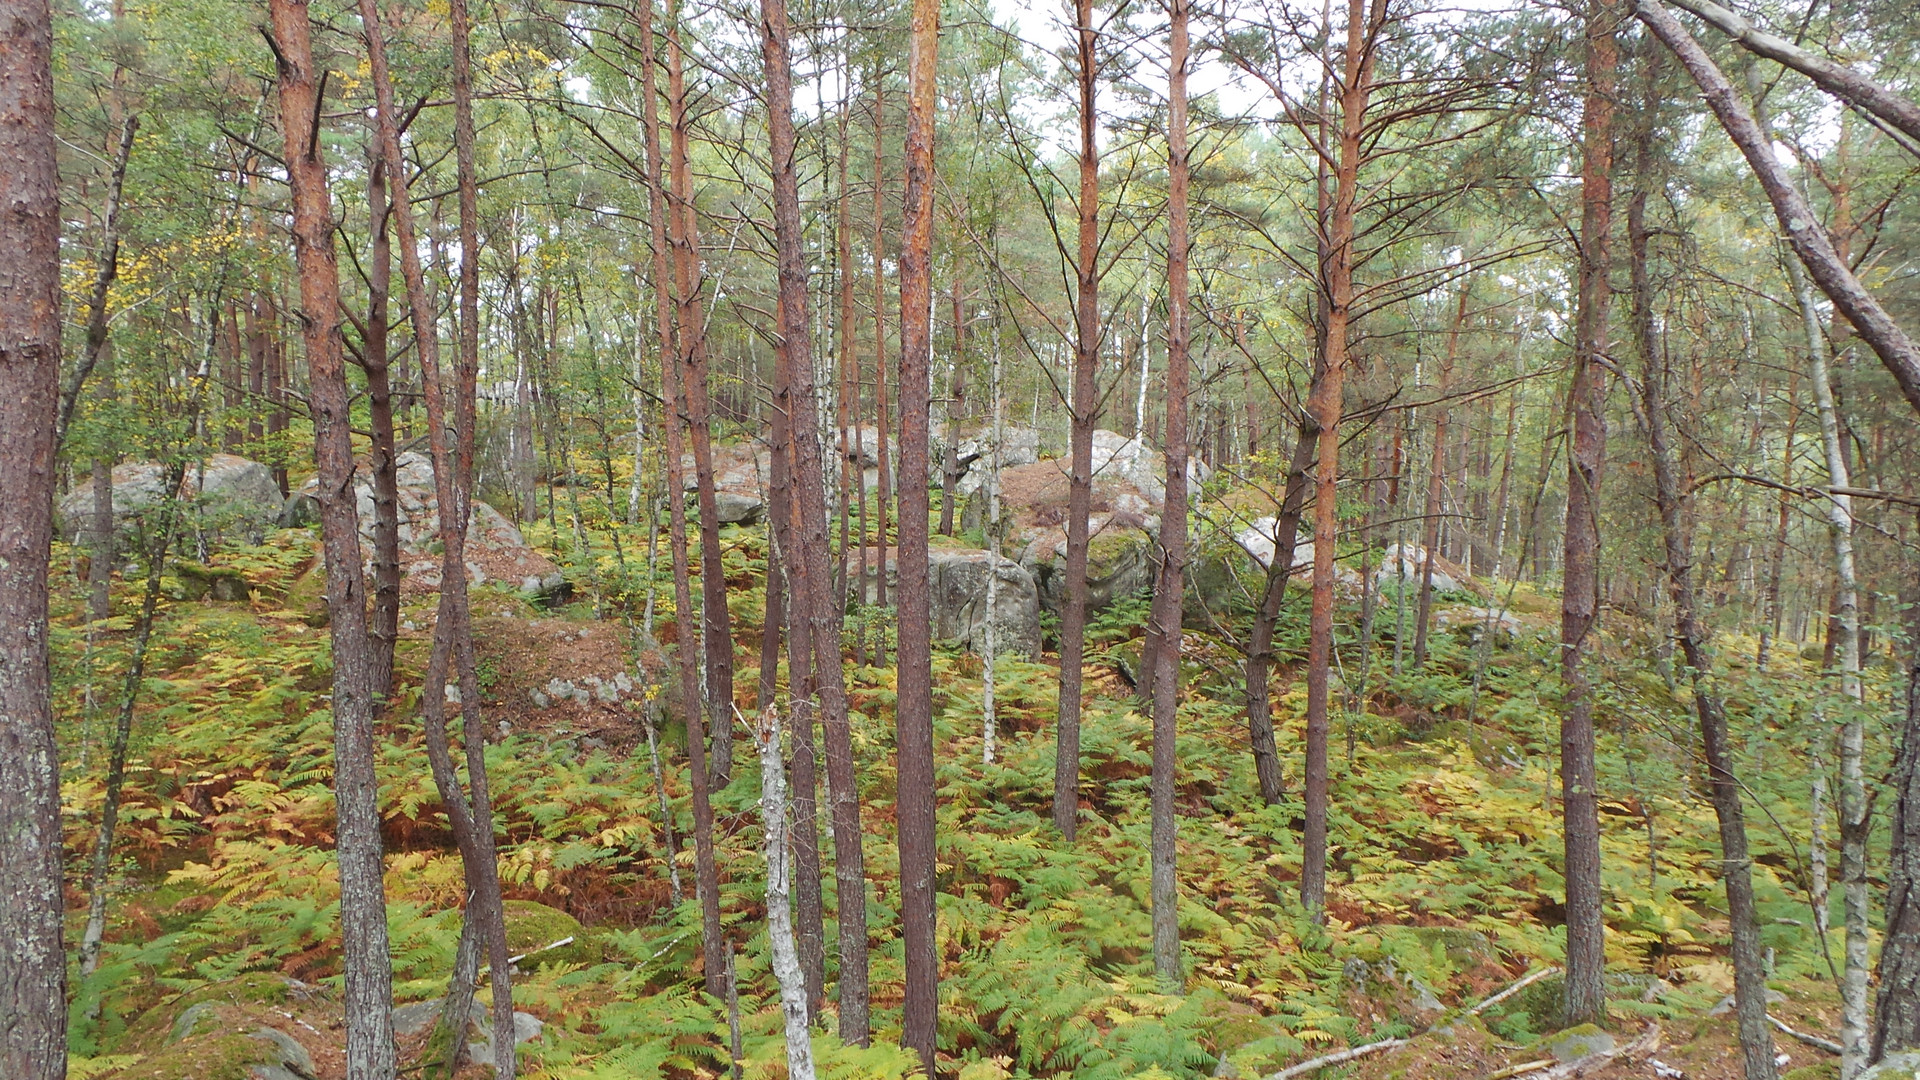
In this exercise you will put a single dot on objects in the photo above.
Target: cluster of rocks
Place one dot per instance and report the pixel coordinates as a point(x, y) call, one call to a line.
point(230, 495)
point(587, 690)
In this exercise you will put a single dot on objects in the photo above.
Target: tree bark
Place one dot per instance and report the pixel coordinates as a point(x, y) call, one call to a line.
point(1173, 520)
point(363, 922)
point(795, 997)
point(1580, 590)
point(814, 612)
point(1356, 86)
point(374, 360)
point(1082, 410)
point(1266, 756)
point(883, 492)
point(33, 969)
point(469, 813)
point(715, 620)
point(1897, 1012)
point(914, 711)
point(1750, 976)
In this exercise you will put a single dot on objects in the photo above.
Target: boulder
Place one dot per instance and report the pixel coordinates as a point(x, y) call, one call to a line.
point(1579, 1042)
point(1119, 565)
point(1900, 1065)
point(225, 493)
point(957, 579)
point(1018, 446)
point(495, 549)
point(735, 508)
point(1408, 561)
point(957, 584)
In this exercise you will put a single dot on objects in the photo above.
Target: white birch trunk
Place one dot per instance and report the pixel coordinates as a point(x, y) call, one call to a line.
point(786, 955)
point(1853, 786)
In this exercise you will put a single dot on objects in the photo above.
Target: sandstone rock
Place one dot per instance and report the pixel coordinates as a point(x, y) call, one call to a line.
point(495, 549)
point(1901, 1065)
point(225, 493)
point(957, 582)
point(1407, 562)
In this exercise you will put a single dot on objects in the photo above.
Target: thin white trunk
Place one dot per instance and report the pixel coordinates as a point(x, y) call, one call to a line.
point(1853, 786)
point(990, 724)
point(1140, 399)
point(786, 955)
point(1817, 840)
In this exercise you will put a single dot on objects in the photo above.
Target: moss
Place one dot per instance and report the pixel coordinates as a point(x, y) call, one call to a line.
point(155, 1026)
point(213, 1056)
point(1825, 1070)
point(308, 596)
point(533, 926)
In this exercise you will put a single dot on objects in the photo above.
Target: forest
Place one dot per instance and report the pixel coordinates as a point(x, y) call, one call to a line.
point(774, 539)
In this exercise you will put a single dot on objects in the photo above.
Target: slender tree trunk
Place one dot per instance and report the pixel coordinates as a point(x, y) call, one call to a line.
point(1266, 757)
point(1173, 521)
point(1750, 977)
point(374, 359)
point(814, 611)
point(1436, 484)
point(1355, 92)
point(800, 683)
point(470, 815)
point(795, 996)
point(884, 492)
point(688, 284)
point(706, 872)
point(1897, 351)
point(1082, 411)
point(1897, 1012)
point(102, 863)
point(914, 711)
point(848, 406)
point(363, 922)
point(1580, 592)
point(990, 722)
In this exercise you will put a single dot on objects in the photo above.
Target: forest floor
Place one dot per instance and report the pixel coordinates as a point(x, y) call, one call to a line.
point(1445, 884)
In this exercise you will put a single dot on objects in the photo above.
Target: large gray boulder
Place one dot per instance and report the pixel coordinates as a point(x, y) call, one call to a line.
point(957, 579)
point(957, 588)
point(1900, 1065)
point(496, 551)
point(224, 494)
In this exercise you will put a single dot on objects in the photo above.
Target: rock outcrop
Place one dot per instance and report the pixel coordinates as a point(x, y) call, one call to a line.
point(495, 549)
point(225, 494)
point(957, 584)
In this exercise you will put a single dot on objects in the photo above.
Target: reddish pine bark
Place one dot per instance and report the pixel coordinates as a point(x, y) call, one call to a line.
point(363, 921)
point(33, 1041)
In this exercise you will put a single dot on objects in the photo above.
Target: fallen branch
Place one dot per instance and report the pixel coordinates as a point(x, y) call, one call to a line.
point(1512, 990)
point(1523, 1067)
point(1811, 1040)
point(1340, 1057)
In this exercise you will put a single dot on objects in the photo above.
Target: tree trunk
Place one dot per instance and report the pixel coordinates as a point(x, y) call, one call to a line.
point(914, 712)
point(1173, 521)
point(1750, 977)
point(814, 612)
point(688, 284)
point(1580, 590)
point(33, 968)
point(470, 814)
point(795, 996)
point(883, 492)
point(102, 863)
point(374, 359)
point(1436, 484)
point(1356, 87)
point(1082, 411)
point(1897, 1012)
point(1266, 757)
point(363, 920)
point(800, 683)
point(1810, 241)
